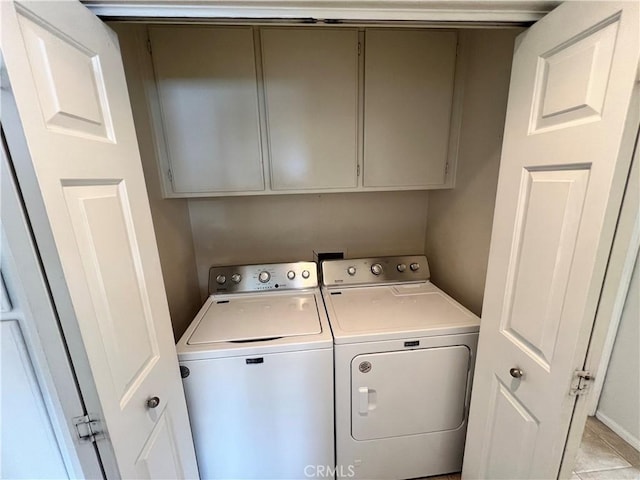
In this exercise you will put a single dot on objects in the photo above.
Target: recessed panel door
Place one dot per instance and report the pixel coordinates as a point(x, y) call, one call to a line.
point(71, 95)
point(571, 123)
point(408, 392)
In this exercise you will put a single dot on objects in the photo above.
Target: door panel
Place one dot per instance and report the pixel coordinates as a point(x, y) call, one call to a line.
point(571, 79)
point(74, 104)
point(160, 458)
point(70, 91)
point(571, 123)
point(408, 392)
point(209, 106)
point(510, 438)
point(103, 231)
point(408, 99)
point(311, 94)
point(544, 245)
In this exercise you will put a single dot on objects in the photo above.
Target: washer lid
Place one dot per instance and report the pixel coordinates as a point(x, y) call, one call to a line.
point(419, 308)
point(256, 317)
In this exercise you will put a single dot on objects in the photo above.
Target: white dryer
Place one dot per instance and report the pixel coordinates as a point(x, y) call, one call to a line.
point(257, 366)
point(404, 357)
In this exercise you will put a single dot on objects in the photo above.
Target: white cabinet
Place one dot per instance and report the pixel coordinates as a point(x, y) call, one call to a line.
point(208, 96)
point(408, 98)
point(247, 110)
point(311, 97)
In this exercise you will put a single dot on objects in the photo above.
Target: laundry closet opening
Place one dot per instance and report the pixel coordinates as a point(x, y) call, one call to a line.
point(265, 143)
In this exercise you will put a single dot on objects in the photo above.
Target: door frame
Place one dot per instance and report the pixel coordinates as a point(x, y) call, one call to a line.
point(40, 326)
point(484, 11)
point(51, 267)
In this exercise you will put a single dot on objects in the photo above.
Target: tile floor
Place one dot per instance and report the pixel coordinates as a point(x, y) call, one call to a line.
point(603, 455)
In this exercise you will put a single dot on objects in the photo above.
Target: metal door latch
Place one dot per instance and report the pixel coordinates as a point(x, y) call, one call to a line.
point(88, 428)
point(580, 383)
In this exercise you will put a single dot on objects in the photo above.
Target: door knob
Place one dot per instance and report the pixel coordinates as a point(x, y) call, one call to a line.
point(153, 402)
point(516, 373)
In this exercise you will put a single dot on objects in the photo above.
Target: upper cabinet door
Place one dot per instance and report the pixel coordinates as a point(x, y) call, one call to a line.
point(208, 97)
point(311, 90)
point(409, 80)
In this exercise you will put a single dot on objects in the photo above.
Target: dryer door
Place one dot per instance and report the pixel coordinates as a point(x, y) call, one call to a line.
point(408, 392)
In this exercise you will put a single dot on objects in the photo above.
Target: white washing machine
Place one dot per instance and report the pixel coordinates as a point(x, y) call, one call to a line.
point(257, 366)
point(404, 357)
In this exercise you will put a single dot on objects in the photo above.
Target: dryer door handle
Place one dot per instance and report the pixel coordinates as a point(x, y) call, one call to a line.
point(363, 395)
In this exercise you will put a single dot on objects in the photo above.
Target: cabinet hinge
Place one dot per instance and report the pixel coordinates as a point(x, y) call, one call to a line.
point(358, 170)
point(580, 382)
point(88, 428)
point(359, 48)
point(170, 175)
point(149, 45)
point(446, 168)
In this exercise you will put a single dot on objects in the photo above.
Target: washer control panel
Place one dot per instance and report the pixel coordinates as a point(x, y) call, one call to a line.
point(366, 271)
point(255, 278)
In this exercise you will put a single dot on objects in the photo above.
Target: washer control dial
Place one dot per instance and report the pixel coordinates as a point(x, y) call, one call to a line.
point(401, 267)
point(264, 276)
point(414, 267)
point(376, 269)
point(221, 279)
point(236, 277)
point(305, 274)
point(291, 274)
point(351, 270)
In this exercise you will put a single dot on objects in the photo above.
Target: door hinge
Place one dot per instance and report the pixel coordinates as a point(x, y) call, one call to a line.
point(358, 170)
point(170, 175)
point(149, 45)
point(446, 168)
point(580, 383)
point(88, 428)
point(359, 48)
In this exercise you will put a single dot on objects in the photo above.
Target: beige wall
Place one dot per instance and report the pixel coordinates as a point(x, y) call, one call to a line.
point(620, 396)
point(459, 231)
point(237, 230)
point(195, 234)
point(170, 217)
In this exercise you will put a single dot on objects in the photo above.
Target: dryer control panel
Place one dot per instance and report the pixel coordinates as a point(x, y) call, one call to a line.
point(375, 270)
point(266, 277)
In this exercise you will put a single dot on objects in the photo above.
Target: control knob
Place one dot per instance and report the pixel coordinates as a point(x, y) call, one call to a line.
point(236, 277)
point(291, 274)
point(305, 274)
point(351, 270)
point(376, 269)
point(264, 276)
point(221, 279)
point(414, 267)
point(401, 267)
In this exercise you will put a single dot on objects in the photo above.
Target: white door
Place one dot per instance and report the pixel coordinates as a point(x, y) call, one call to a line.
point(571, 122)
point(69, 86)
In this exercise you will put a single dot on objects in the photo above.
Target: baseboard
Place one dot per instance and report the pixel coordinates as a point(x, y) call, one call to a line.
point(621, 432)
